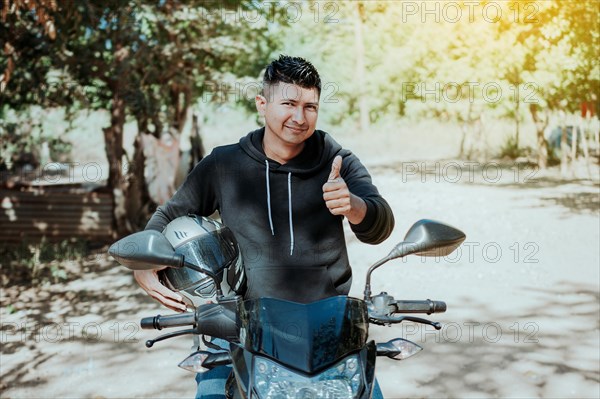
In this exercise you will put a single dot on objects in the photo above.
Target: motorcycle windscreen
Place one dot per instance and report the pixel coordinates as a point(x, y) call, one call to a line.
point(307, 337)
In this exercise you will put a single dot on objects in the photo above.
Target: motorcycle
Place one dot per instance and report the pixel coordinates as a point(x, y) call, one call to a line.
point(287, 350)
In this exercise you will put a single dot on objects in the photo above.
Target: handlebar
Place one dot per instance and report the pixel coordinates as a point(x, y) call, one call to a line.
point(159, 322)
point(427, 306)
point(217, 320)
point(382, 308)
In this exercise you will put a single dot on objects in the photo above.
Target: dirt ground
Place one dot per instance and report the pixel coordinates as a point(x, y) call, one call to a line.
point(523, 299)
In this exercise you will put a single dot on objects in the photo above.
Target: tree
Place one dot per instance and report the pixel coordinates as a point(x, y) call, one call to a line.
point(140, 58)
point(558, 59)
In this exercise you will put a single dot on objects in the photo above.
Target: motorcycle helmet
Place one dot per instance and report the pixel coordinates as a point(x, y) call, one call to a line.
point(209, 244)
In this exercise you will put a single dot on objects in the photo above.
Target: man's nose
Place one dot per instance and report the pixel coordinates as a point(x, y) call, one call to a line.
point(298, 115)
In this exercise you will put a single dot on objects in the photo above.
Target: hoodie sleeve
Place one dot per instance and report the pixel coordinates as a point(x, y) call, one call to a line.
point(196, 195)
point(379, 219)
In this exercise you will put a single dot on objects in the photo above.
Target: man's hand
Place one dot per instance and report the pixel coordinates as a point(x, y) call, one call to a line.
point(148, 280)
point(339, 200)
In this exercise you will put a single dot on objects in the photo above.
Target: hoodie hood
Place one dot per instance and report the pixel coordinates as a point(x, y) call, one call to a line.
point(318, 152)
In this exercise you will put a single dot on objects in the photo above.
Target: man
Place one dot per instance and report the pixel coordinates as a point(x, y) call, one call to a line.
point(283, 190)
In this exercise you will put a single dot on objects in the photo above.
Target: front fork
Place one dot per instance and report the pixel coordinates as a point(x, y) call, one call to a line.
point(369, 357)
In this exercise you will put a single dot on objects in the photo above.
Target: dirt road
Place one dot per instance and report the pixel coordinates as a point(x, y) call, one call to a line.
point(523, 315)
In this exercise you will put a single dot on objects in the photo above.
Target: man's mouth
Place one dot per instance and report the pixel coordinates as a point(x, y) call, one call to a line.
point(295, 128)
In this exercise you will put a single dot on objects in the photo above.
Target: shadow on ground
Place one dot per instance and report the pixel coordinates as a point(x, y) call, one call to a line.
point(81, 338)
point(583, 202)
point(546, 350)
point(550, 350)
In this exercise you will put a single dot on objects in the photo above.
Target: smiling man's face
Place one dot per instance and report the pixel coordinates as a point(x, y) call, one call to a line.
point(290, 113)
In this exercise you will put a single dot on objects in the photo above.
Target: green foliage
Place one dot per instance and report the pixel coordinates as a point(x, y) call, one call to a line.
point(160, 57)
point(560, 53)
point(40, 263)
point(476, 68)
point(510, 149)
point(23, 137)
point(136, 58)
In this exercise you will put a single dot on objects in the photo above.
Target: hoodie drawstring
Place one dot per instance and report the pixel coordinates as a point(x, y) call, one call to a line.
point(290, 213)
point(289, 205)
point(269, 197)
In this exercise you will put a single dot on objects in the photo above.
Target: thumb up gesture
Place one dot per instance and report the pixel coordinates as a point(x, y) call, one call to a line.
point(336, 166)
point(338, 198)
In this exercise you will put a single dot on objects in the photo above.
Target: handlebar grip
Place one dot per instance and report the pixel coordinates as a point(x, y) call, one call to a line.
point(176, 320)
point(428, 306)
point(439, 306)
point(147, 323)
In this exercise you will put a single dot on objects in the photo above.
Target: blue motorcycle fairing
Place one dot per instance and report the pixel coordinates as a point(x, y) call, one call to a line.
point(306, 337)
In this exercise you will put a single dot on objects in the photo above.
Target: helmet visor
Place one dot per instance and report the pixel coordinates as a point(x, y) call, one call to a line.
point(214, 251)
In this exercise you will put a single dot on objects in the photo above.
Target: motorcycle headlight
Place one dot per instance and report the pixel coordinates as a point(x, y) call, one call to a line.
point(342, 381)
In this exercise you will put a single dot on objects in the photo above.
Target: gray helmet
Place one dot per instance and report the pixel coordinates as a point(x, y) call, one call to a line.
point(209, 244)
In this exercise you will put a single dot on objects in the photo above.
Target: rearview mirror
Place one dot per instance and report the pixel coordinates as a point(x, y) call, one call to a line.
point(429, 238)
point(145, 250)
point(425, 238)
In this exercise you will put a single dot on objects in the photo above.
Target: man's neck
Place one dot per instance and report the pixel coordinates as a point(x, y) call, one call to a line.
point(281, 152)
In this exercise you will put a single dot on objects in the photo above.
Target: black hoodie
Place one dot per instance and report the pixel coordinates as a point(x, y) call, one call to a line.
point(292, 246)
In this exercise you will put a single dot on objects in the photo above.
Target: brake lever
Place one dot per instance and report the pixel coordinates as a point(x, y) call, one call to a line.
point(151, 342)
point(384, 320)
point(434, 324)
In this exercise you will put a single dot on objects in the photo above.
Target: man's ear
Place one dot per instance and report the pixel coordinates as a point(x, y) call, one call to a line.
point(261, 104)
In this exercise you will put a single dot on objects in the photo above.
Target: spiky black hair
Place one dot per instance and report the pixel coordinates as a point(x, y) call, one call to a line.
point(293, 70)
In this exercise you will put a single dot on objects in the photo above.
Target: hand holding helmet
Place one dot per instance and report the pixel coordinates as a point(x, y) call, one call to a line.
point(206, 244)
point(149, 281)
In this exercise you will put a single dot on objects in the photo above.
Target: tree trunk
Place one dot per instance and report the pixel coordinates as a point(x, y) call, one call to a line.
point(464, 129)
point(564, 147)
point(138, 203)
point(113, 139)
point(517, 122)
point(584, 145)
point(360, 67)
point(542, 145)
point(192, 149)
point(517, 100)
point(180, 99)
point(198, 149)
point(574, 140)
